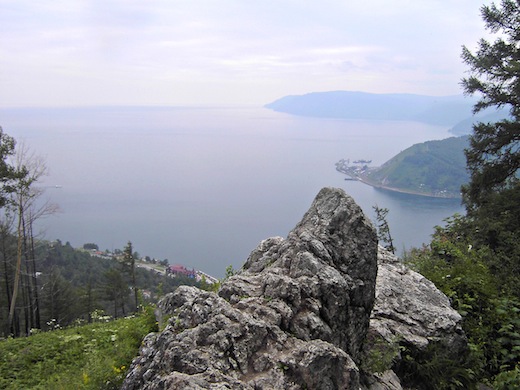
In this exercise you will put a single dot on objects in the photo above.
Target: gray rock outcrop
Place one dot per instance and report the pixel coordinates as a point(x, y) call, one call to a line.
point(294, 317)
point(409, 311)
point(409, 307)
point(297, 315)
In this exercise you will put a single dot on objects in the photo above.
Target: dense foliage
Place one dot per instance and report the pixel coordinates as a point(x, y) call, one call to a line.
point(94, 356)
point(491, 315)
point(492, 196)
point(494, 156)
point(7, 149)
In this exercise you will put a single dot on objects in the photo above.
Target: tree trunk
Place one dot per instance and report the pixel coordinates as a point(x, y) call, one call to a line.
point(36, 298)
point(28, 296)
point(89, 299)
point(6, 279)
point(17, 270)
point(136, 291)
point(115, 307)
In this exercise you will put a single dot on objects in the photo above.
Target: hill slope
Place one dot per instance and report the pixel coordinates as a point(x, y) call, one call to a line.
point(432, 168)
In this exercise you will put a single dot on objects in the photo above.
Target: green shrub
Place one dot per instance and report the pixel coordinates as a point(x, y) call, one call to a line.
point(435, 368)
point(491, 315)
point(379, 355)
point(94, 356)
point(508, 380)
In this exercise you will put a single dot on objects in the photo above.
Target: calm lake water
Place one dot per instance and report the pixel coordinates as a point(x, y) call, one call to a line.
point(203, 186)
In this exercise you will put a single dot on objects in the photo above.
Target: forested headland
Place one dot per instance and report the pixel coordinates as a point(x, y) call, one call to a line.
point(432, 168)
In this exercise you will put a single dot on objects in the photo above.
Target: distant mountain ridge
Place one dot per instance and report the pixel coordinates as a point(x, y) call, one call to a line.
point(451, 111)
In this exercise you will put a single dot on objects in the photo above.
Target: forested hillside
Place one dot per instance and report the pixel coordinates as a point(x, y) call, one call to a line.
point(73, 284)
point(435, 168)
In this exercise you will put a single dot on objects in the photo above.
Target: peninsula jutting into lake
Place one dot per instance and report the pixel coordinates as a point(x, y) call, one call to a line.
point(361, 173)
point(432, 168)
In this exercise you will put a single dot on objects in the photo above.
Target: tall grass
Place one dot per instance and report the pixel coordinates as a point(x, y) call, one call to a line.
point(93, 356)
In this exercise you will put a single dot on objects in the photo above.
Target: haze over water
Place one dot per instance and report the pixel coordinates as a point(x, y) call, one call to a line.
point(203, 186)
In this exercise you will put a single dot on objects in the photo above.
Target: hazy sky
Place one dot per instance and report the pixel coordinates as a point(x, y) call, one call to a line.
point(200, 52)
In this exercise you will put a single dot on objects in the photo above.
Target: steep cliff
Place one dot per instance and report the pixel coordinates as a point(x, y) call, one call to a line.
point(295, 317)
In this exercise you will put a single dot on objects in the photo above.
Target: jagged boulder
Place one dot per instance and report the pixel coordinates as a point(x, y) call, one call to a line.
point(410, 312)
point(294, 317)
point(410, 307)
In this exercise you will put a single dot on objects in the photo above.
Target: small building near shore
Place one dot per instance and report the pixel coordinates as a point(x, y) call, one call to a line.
point(180, 270)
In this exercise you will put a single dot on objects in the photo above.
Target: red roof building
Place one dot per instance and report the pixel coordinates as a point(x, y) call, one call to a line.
point(181, 270)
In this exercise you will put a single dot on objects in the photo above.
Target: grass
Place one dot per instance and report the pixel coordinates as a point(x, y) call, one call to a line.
point(93, 356)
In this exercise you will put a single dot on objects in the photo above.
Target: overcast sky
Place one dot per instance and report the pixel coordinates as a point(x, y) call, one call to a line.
point(228, 52)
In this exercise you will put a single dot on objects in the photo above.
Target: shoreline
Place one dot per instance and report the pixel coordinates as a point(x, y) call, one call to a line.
point(358, 177)
point(403, 191)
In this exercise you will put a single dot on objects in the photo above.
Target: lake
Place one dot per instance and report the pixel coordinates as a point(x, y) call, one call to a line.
point(203, 186)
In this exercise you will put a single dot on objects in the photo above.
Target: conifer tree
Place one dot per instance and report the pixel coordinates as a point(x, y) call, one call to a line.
point(128, 262)
point(383, 229)
point(7, 171)
point(493, 158)
point(492, 197)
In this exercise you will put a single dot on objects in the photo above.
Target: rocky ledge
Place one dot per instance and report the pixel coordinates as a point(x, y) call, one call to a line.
point(297, 315)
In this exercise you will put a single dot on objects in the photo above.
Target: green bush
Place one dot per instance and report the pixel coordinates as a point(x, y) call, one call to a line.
point(435, 368)
point(378, 355)
point(491, 315)
point(508, 380)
